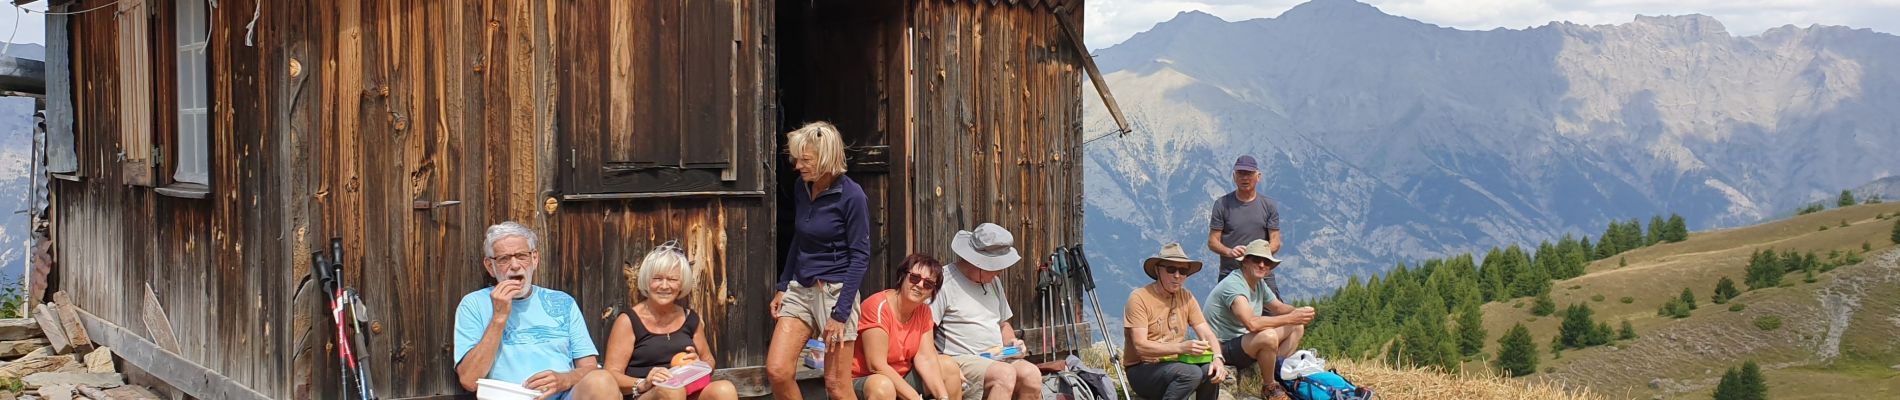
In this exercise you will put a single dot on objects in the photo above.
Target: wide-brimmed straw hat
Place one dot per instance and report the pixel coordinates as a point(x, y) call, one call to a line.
point(1169, 252)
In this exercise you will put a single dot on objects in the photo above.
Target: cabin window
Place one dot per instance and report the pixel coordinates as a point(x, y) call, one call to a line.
point(194, 100)
point(665, 109)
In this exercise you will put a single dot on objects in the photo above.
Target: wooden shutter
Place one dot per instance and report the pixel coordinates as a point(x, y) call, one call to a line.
point(670, 102)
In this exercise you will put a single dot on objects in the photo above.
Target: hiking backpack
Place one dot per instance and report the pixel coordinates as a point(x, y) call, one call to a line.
point(1327, 385)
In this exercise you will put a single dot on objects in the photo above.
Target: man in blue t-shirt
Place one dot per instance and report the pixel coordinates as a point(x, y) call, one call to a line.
point(1233, 311)
point(518, 333)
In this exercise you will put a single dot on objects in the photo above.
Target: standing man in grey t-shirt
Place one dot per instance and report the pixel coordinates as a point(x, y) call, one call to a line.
point(1243, 216)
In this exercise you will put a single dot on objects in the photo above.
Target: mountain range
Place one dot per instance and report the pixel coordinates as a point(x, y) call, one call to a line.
point(16, 148)
point(1385, 139)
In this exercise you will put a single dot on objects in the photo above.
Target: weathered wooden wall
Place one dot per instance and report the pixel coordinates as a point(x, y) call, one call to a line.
point(998, 137)
point(341, 117)
point(345, 114)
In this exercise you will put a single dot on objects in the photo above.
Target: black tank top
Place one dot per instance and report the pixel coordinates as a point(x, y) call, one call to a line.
point(652, 349)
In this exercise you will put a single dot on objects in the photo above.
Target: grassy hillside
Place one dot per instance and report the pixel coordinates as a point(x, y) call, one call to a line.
point(1837, 338)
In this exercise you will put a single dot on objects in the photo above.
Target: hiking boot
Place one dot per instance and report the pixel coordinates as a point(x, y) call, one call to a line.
point(1274, 392)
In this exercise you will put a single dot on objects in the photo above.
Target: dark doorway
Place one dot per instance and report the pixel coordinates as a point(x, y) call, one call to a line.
point(846, 63)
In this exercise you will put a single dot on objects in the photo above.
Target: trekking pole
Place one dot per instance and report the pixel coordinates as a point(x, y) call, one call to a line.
point(360, 343)
point(1061, 270)
point(353, 302)
point(1085, 283)
point(1042, 304)
point(322, 266)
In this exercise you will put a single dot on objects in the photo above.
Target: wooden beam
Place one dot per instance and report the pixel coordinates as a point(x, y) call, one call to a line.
point(19, 328)
point(661, 195)
point(181, 373)
point(157, 323)
point(1095, 75)
point(751, 382)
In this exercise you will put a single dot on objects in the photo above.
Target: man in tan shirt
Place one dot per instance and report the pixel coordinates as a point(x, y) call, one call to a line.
point(1162, 363)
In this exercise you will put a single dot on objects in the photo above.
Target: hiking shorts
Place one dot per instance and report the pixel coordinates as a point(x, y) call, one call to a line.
point(812, 305)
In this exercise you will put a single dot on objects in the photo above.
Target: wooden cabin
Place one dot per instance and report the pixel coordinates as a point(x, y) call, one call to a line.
point(213, 146)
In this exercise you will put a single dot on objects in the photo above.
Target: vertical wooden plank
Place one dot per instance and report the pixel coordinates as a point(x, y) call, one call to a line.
point(622, 22)
point(707, 136)
point(580, 93)
point(659, 139)
point(523, 190)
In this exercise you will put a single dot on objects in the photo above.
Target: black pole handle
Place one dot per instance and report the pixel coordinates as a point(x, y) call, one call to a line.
point(322, 268)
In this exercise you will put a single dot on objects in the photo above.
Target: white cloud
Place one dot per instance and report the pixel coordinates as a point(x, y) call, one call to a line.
point(1112, 21)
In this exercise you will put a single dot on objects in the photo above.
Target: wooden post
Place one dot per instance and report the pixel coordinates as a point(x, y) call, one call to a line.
point(1095, 75)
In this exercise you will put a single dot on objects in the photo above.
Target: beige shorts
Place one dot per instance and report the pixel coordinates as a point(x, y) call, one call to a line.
point(973, 368)
point(812, 305)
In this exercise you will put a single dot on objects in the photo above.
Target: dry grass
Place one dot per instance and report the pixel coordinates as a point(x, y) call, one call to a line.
point(1398, 383)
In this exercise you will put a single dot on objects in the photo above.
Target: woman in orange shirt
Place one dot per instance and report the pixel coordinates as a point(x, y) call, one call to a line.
point(897, 323)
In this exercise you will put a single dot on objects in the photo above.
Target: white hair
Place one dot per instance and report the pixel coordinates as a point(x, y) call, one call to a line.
point(667, 258)
point(505, 230)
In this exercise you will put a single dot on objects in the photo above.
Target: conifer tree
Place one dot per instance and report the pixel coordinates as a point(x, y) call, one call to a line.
point(1896, 231)
point(1764, 270)
point(1678, 230)
point(1753, 386)
point(1628, 332)
point(1589, 250)
point(1470, 331)
point(1725, 290)
point(1543, 306)
point(1847, 199)
point(1656, 228)
point(1688, 298)
point(1491, 279)
point(1517, 355)
point(1426, 343)
point(1727, 388)
point(1533, 281)
point(1577, 326)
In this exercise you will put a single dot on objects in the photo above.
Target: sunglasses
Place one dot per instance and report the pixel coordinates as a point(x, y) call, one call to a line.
point(1170, 269)
point(921, 280)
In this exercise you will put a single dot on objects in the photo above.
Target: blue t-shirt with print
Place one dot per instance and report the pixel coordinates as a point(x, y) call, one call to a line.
point(545, 332)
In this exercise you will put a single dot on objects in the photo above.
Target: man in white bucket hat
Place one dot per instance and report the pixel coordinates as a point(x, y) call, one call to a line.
point(973, 316)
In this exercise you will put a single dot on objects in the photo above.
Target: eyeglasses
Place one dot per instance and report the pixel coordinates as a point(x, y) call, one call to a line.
point(921, 280)
point(1170, 269)
point(513, 258)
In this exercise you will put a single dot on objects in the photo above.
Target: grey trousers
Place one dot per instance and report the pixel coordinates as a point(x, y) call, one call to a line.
point(1171, 381)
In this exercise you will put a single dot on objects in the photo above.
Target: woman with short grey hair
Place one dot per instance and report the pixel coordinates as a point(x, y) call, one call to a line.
point(659, 333)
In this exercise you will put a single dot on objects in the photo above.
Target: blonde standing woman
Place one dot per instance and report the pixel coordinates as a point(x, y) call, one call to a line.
point(658, 332)
point(818, 285)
